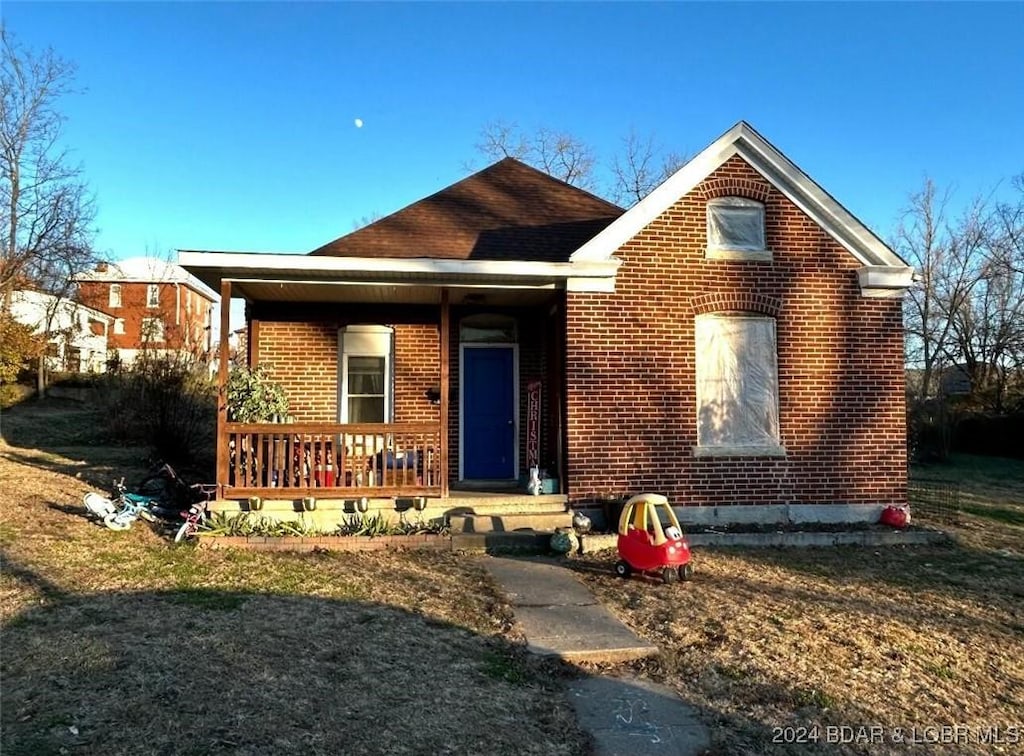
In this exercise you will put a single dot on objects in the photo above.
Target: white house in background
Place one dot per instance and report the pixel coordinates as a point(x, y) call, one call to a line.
point(77, 339)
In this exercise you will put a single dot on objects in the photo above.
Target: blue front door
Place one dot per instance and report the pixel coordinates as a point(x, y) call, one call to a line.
point(488, 413)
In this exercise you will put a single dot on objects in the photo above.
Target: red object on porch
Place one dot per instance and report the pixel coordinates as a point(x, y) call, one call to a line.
point(895, 517)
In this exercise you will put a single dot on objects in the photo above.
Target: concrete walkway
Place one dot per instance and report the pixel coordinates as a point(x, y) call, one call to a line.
point(561, 618)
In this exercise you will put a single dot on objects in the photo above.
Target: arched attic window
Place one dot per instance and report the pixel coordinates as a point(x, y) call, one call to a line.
point(736, 229)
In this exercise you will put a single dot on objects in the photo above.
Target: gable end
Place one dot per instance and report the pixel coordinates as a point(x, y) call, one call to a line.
point(778, 171)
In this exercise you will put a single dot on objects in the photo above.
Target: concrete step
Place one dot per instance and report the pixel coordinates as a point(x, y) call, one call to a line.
point(511, 503)
point(542, 521)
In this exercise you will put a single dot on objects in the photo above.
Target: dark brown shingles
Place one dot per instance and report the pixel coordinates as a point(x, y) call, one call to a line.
point(508, 211)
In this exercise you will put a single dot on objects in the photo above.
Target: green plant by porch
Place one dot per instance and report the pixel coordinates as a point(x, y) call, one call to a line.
point(253, 397)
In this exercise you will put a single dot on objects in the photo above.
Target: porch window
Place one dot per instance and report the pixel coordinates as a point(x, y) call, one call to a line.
point(367, 397)
point(366, 380)
point(737, 386)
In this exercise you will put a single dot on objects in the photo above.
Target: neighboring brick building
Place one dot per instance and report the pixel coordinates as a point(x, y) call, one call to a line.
point(734, 338)
point(156, 306)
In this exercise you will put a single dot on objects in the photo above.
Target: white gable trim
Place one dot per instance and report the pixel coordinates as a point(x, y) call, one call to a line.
point(744, 141)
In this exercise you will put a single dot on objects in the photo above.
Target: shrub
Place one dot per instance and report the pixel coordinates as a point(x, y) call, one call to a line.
point(253, 397)
point(18, 346)
point(166, 402)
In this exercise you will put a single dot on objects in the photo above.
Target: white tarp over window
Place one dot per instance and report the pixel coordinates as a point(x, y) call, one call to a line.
point(737, 381)
point(735, 223)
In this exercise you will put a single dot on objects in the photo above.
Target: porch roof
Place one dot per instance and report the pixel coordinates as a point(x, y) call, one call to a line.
point(289, 277)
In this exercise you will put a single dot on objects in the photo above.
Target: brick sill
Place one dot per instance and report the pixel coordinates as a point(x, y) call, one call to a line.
point(739, 451)
point(749, 255)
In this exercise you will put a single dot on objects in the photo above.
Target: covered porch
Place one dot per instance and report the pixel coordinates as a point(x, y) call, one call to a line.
point(414, 380)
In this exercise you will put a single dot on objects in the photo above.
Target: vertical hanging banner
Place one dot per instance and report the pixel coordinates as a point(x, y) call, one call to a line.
point(533, 424)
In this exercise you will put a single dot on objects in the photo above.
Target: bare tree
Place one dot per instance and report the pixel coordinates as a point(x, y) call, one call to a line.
point(557, 153)
point(46, 211)
point(946, 271)
point(641, 168)
point(988, 326)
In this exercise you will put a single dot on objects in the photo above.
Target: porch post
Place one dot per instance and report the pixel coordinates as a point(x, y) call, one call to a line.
point(445, 358)
point(560, 340)
point(253, 343)
point(222, 387)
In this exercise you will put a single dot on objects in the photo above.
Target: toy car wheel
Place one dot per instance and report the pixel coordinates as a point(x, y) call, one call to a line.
point(622, 569)
point(686, 571)
point(669, 574)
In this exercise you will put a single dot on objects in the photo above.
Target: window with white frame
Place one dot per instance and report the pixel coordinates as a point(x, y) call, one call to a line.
point(119, 326)
point(152, 329)
point(366, 380)
point(737, 385)
point(115, 295)
point(153, 295)
point(736, 229)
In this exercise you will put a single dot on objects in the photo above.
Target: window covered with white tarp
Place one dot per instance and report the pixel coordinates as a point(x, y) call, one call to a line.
point(736, 223)
point(737, 382)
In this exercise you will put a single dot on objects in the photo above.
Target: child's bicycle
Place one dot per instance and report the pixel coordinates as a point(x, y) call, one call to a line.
point(120, 512)
point(195, 515)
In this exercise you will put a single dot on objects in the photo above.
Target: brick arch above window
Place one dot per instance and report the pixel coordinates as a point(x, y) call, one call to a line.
point(730, 186)
point(736, 301)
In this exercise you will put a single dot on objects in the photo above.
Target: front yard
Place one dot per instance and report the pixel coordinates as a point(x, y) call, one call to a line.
point(119, 643)
point(778, 645)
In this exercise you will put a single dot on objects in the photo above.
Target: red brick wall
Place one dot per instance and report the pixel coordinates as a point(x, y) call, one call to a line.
point(303, 357)
point(631, 390)
point(134, 308)
point(416, 371)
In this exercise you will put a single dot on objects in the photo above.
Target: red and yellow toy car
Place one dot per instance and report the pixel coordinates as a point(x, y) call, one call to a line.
point(650, 540)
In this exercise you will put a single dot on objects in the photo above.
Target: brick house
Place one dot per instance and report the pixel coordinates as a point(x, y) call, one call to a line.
point(734, 338)
point(156, 306)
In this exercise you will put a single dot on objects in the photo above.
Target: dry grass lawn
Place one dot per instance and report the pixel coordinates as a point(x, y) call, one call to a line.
point(120, 643)
point(908, 637)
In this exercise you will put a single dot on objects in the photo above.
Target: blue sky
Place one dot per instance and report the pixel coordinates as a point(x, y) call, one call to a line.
point(231, 125)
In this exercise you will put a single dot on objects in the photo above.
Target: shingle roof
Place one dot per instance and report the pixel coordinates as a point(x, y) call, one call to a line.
point(508, 211)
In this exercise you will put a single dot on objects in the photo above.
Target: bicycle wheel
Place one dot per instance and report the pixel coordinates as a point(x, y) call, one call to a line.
point(114, 523)
point(184, 532)
point(98, 506)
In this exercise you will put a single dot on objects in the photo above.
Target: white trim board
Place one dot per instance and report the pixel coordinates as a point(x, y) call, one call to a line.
point(777, 169)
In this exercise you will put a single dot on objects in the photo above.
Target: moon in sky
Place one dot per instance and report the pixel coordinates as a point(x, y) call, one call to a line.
point(359, 123)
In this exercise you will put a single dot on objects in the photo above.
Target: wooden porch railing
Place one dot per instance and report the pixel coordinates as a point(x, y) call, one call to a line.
point(332, 460)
